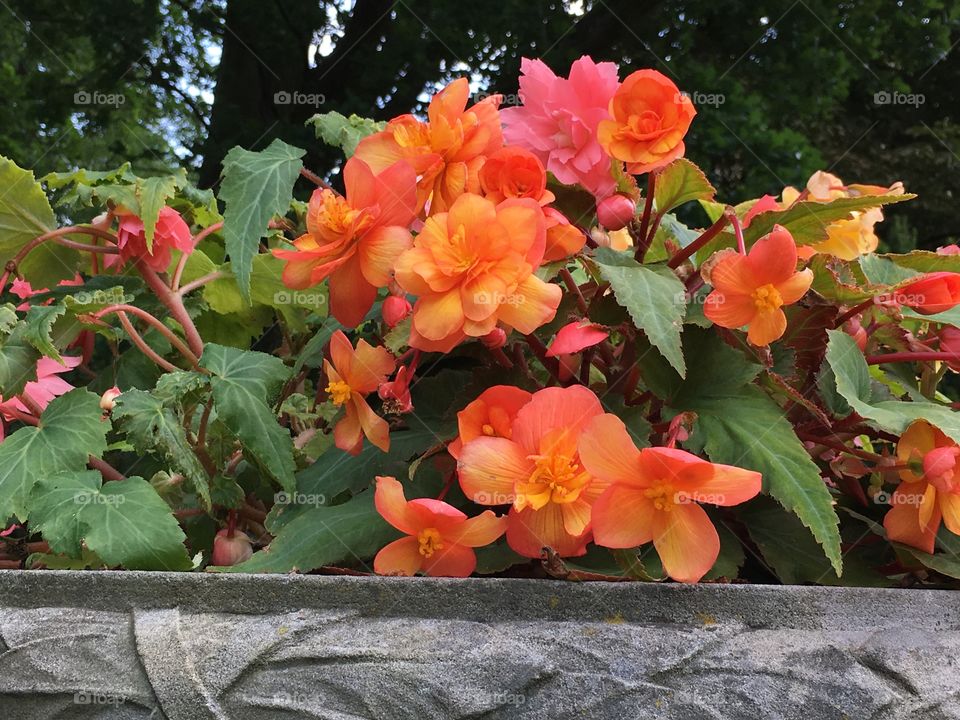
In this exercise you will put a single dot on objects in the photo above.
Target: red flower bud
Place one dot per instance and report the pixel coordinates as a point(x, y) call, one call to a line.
point(494, 339)
point(230, 550)
point(854, 329)
point(615, 212)
point(395, 310)
point(108, 398)
point(931, 293)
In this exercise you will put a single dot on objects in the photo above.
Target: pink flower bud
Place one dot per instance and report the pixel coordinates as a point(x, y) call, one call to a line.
point(230, 550)
point(615, 212)
point(949, 250)
point(494, 339)
point(854, 329)
point(395, 310)
point(108, 398)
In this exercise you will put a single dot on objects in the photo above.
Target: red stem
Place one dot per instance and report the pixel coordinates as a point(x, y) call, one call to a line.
point(641, 239)
point(174, 303)
point(912, 357)
point(856, 310)
point(58, 237)
point(156, 324)
point(709, 234)
point(737, 230)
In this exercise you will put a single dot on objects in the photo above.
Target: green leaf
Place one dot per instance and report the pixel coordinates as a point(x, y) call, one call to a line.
point(925, 261)
point(152, 194)
point(852, 378)
point(881, 271)
point(808, 221)
point(312, 354)
point(654, 297)
point(244, 384)
point(38, 326)
point(18, 362)
point(256, 187)
point(739, 424)
point(153, 428)
point(349, 533)
point(680, 182)
point(125, 522)
point(343, 132)
point(25, 214)
point(70, 430)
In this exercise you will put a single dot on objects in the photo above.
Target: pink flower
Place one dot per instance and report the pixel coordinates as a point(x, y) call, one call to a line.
point(45, 388)
point(171, 233)
point(616, 211)
point(576, 336)
point(559, 117)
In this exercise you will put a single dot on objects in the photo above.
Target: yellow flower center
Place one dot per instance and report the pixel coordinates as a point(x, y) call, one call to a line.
point(430, 541)
point(556, 478)
point(489, 430)
point(338, 217)
point(767, 298)
point(339, 392)
point(664, 497)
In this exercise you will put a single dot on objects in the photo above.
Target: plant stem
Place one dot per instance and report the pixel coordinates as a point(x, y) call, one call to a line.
point(316, 179)
point(58, 237)
point(709, 234)
point(912, 357)
point(142, 344)
point(575, 290)
point(108, 471)
point(641, 236)
point(737, 230)
point(856, 310)
point(156, 324)
point(200, 282)
point(174, 303)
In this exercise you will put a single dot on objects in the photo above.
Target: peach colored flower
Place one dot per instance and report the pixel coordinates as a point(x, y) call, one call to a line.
point(351, 376)
point(653, 494)
point(538, 470)
point(473, 267)
point(751, 289)
point(354, 240)
point(929, 489)
point(650, 119)
point(447, 151)
point(490, 415)
point(439, 538)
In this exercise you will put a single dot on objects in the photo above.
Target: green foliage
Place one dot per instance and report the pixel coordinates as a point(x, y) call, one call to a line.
point(681, 182)
point(256, 187)
point(343, 132)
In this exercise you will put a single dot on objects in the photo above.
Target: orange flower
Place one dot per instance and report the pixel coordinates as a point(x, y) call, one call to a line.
point(472, 267)
point(751, 289)
point(351, 376)
point(846, 239)
point(439, 538)
point(929, 489)
point(447, 151)
point(931, 293)
point(650, 118)
point(354, 239)
point(490, 415)
point(538, 470)
point(652, 494)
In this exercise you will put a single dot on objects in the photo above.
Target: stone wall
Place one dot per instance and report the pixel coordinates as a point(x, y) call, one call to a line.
point(184, 647)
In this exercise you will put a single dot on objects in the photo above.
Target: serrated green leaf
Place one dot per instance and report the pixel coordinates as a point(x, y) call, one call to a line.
point(38, 326)
point(881, 271)
point(808, 221)
point(654, 297)
point(70, 430)
point(244, 384)
point(924, 261)
point(852, 377)
point(154, 428)
point(125, 522)
point(256, 187)
point(349, 533)
point(8, 318)
point(343, 132)
point(18, 362)
point(152, 194)
point(680, 182)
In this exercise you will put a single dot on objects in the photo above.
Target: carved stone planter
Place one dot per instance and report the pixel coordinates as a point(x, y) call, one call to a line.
point(186, 647)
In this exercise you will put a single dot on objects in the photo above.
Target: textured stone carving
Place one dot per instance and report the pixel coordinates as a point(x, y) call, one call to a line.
point(185, 647)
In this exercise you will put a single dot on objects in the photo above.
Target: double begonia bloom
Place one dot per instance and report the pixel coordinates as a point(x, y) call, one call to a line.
point(355, 239)
point(854, 236)
point(472, 268)
point(538, 470)
point(171, 233)
point(931, 293)
point(929, 490)
point(512, 173)
point(559, 118)
point(440, 540)
point(41, 391)
point(650, 117)
point(447, 151)
point(653, 494)
point(752, 289)
point(490, 415)
point(351, 376)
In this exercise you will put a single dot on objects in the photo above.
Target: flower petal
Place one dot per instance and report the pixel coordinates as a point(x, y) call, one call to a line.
point(401, 557)
point(379, 250)
point(451, 561)
point(529, 531)
point(374, 427)
point(767, 327)
point(623, 517)
point(489, 467)
point(568, 409)
point(686, 541)
point(773, 258)
point(437, 317)
point(726, 486)
point(608, 452)
point(795, 287)
point(478, 531)
point(533, 303)
point(393, 507)
point(902, 523)
point(351, 296)
point(729, 310)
